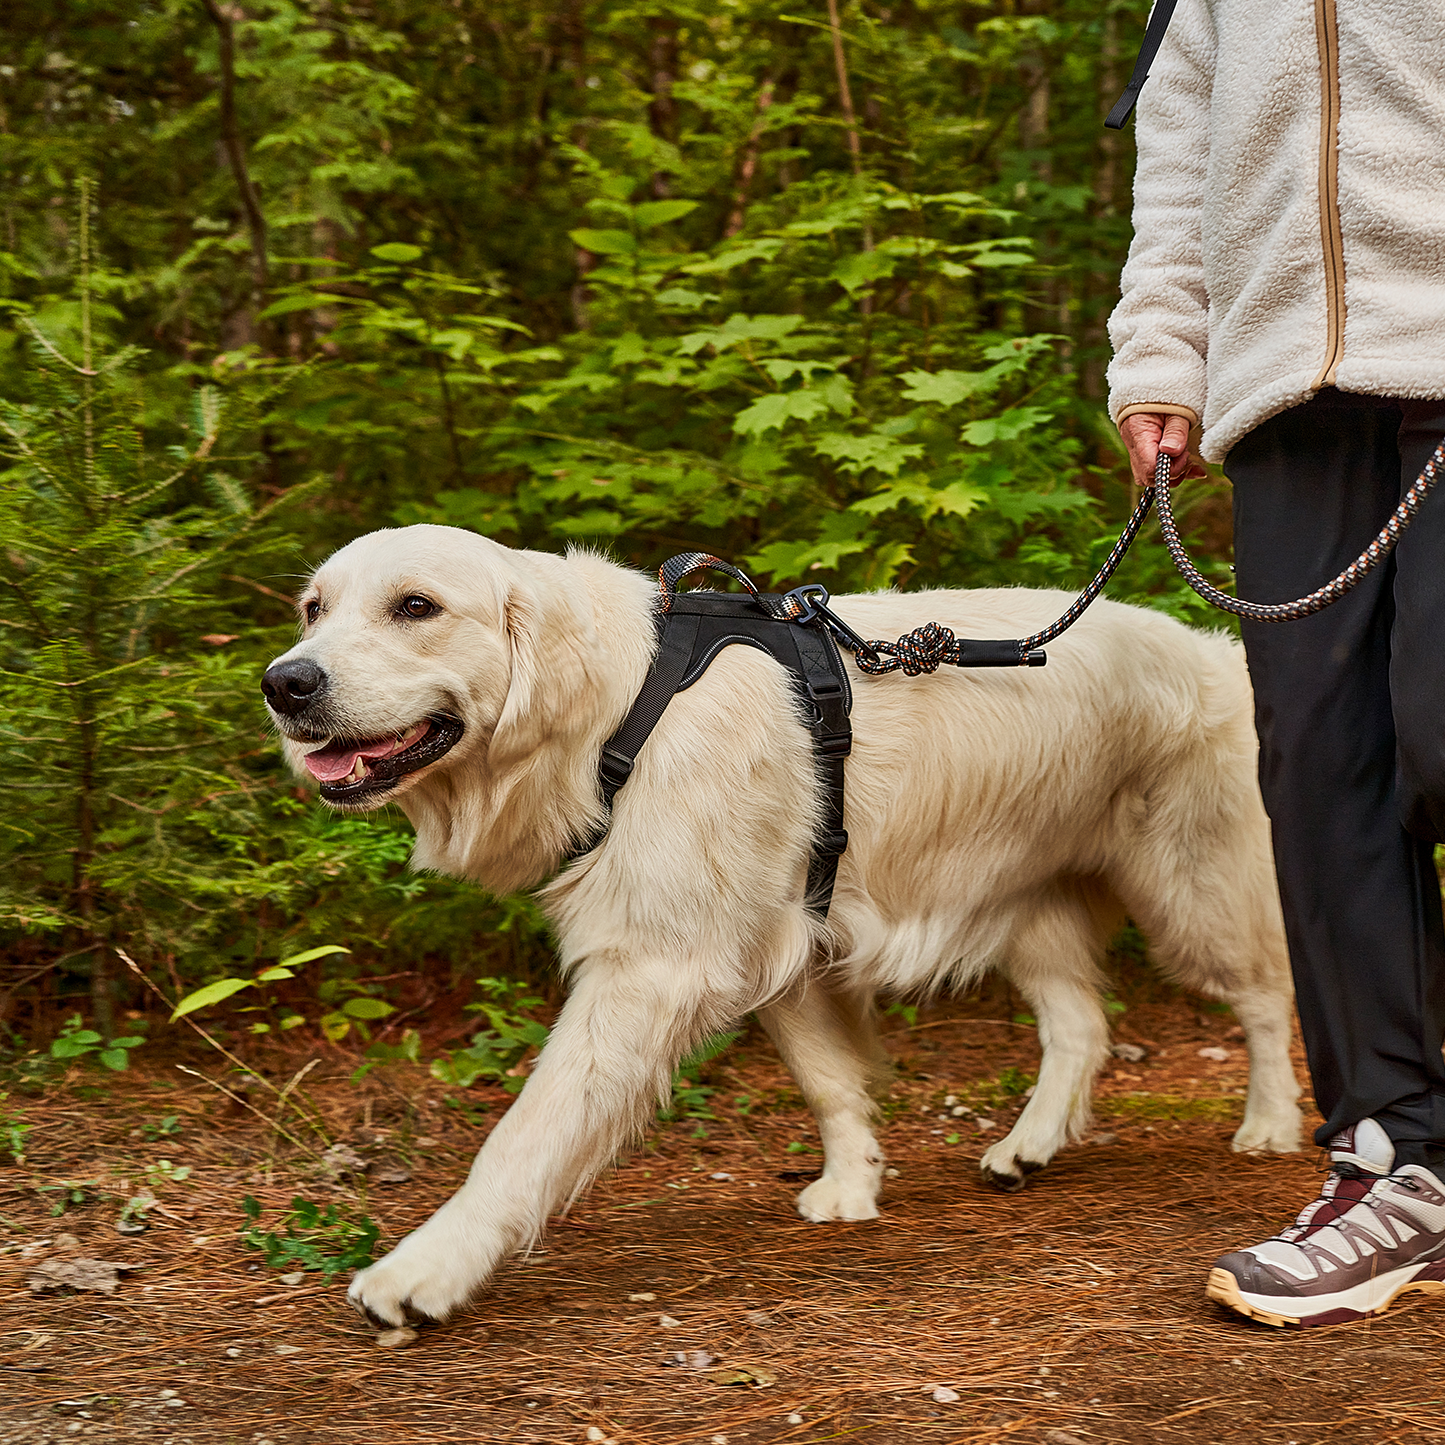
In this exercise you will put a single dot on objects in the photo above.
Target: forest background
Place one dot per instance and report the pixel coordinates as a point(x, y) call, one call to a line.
point(821, 288)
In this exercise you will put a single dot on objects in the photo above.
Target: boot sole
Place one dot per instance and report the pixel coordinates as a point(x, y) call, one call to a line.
point(1224, 1289)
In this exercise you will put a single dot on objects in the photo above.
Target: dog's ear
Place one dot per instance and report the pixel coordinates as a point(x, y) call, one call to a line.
point(553, 649)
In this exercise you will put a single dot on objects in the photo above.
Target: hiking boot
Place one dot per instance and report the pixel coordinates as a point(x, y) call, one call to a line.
point(1366, 1239)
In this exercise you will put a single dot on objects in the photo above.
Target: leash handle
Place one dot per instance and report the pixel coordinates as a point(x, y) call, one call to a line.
point(1379, 548)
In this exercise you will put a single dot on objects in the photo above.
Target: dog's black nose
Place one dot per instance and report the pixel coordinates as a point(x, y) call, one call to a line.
point(291, 687)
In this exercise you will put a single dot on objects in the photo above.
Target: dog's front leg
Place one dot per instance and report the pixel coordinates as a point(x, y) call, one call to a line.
point(609, 1059)
point(831, 1047)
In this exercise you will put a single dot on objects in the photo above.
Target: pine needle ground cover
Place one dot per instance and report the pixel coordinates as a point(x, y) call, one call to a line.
point(682, 1299)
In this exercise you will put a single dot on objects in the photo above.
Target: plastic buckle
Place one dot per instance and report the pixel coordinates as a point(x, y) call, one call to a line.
point(834, 745)
point(831, 844)
point(614, 767)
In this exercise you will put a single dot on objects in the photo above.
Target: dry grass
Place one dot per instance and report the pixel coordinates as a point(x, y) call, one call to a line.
point(1073, 1307)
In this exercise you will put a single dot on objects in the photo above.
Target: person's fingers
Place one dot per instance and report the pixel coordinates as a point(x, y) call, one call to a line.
point(1146, 434)
point(1140, 433)
point(1175, 438)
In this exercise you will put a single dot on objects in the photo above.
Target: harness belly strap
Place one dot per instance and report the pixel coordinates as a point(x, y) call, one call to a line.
point(693, 627)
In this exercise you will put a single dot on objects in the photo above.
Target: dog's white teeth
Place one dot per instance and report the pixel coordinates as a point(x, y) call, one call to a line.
point(412, 733)
point(358, 772)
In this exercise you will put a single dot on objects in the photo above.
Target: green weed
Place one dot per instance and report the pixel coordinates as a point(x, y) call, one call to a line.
point(78, 1042)
point(311, 1237)
point(495, 1052)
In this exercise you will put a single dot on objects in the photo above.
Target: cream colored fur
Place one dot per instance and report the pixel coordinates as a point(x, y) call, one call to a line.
point(1224, 299)
point(1000, 818)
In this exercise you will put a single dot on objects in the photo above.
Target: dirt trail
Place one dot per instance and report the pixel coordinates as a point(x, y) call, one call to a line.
point(1071, 1311)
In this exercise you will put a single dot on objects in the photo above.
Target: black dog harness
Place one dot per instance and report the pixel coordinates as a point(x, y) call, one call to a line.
point(693, 627)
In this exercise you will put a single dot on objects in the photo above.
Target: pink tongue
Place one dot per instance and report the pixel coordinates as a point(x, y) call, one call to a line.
point(336, 760)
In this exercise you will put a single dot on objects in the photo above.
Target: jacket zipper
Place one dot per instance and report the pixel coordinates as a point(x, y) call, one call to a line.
point(1327, 36)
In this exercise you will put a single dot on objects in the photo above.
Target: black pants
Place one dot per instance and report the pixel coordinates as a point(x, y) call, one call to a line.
point(1350, 708)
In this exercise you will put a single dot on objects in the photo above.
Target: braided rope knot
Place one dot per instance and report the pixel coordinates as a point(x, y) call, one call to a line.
point(925, 649)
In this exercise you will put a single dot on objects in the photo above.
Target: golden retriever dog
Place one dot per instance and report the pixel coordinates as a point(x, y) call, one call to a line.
point(1002, 818)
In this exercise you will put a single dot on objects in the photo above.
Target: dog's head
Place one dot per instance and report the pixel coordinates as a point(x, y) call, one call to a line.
point(422, 648)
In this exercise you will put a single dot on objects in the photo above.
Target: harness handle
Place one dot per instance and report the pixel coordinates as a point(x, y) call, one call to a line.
point(685, 564)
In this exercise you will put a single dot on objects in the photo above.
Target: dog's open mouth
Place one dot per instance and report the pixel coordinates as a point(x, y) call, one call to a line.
point(351, 769)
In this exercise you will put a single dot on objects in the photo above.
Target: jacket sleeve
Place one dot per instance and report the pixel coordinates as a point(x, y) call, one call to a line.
point(1160, 328)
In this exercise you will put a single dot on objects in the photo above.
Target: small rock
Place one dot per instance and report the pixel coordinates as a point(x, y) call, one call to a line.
point(393, 1174)
point(984, 1124)
point(950, 1100)
point(667, 1322)
point(641, 1299)
point(761, 1318)
point(1104, 1139)
point(1062, 1437)
point(795, 1418)
point(233, 1353)
point(288, 1349)
point(1130, 1053)
point(167, 1394)
point(395, 1339)
point(890, 1173)
point(1044, 1370)
point(594, 1434)
point(722, 1177)
point(98, 1275)
point(1217, 1054)
point(959, 1112)
point(719, 1440)
point(342, 1159)
point(426, 1142)
point(942, 1395)
point(692, 1360)
point(295, 1277)
point(65, 1241)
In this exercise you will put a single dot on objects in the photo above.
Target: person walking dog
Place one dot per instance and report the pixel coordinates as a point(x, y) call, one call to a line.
point(1285, 291)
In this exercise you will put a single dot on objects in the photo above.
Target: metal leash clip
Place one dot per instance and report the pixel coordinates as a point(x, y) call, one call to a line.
point(810, 601)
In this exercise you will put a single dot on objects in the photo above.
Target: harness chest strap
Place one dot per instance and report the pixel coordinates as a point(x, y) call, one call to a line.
point(692, 629)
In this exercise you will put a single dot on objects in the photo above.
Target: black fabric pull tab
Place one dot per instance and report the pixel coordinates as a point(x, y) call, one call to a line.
point(1153, 38)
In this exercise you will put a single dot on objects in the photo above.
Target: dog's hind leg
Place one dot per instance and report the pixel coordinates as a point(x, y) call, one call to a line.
point(831, 1047)
point(1199, 881)
point(1053, 962)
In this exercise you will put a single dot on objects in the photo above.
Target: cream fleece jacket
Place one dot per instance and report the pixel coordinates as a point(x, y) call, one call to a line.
point(1289, 212)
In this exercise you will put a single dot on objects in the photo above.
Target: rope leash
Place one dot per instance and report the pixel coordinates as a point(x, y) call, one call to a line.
point(927, 648)
point(1380, 548)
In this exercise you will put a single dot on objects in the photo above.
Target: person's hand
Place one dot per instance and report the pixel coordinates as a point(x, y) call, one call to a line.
point(1146, 434)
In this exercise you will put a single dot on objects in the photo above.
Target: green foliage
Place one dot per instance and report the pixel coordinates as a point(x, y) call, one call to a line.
point(578, 276)
point(13, 1130)
point(689, 1094)
point(1012, 1082)
point(311, 1237)
point(77, 1042)
point(495, 1052)
point(223, 988)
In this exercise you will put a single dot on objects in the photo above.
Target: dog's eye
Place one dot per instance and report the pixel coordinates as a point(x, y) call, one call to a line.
point(313, 611)
point(417, 606)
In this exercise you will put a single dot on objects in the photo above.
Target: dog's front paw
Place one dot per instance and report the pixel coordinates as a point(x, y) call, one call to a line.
point(416, 1279)
point(827, 1199)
